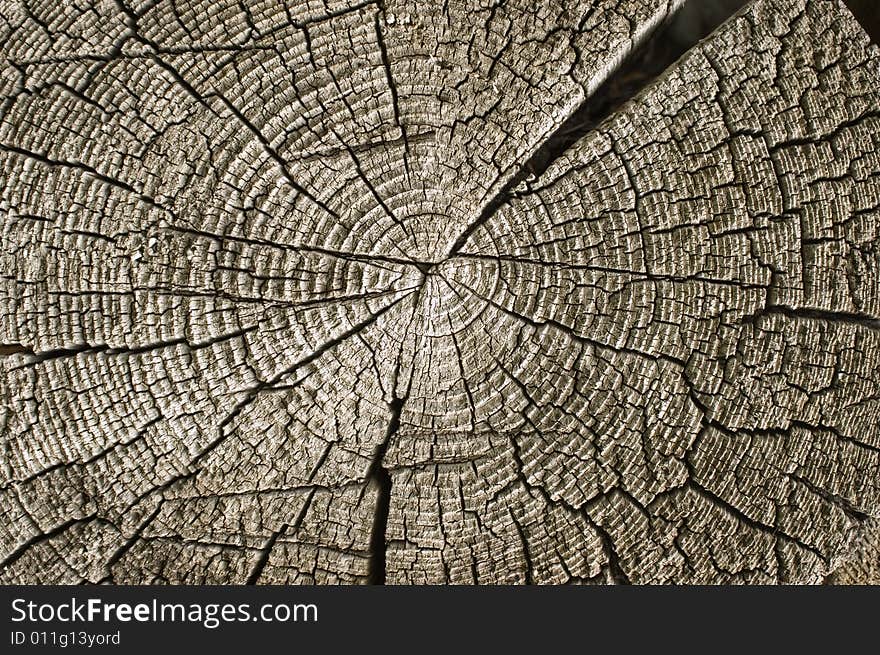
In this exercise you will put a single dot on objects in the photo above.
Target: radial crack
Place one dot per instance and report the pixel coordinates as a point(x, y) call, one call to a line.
point(380, 479)
point(662, 46)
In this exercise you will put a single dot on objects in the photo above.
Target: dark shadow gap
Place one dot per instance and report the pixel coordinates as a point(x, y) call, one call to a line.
point(14, 349)
point(378, 475)
point(867, 12)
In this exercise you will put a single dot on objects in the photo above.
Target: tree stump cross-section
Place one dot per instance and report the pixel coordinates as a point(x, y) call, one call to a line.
point(310, 292)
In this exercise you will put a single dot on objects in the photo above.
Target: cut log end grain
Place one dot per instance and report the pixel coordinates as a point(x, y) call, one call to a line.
point(282, 303)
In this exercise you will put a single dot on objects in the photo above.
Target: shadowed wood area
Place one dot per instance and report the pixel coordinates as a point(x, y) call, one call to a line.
point(402, 292)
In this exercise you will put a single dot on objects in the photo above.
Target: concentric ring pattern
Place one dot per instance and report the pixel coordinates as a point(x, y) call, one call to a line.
point(265, 319)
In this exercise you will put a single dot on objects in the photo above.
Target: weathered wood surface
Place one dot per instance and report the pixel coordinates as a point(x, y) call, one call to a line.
point(270, 314)
point(861, 563)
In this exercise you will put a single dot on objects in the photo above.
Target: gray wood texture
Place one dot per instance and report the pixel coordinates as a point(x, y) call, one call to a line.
point(279, 305)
